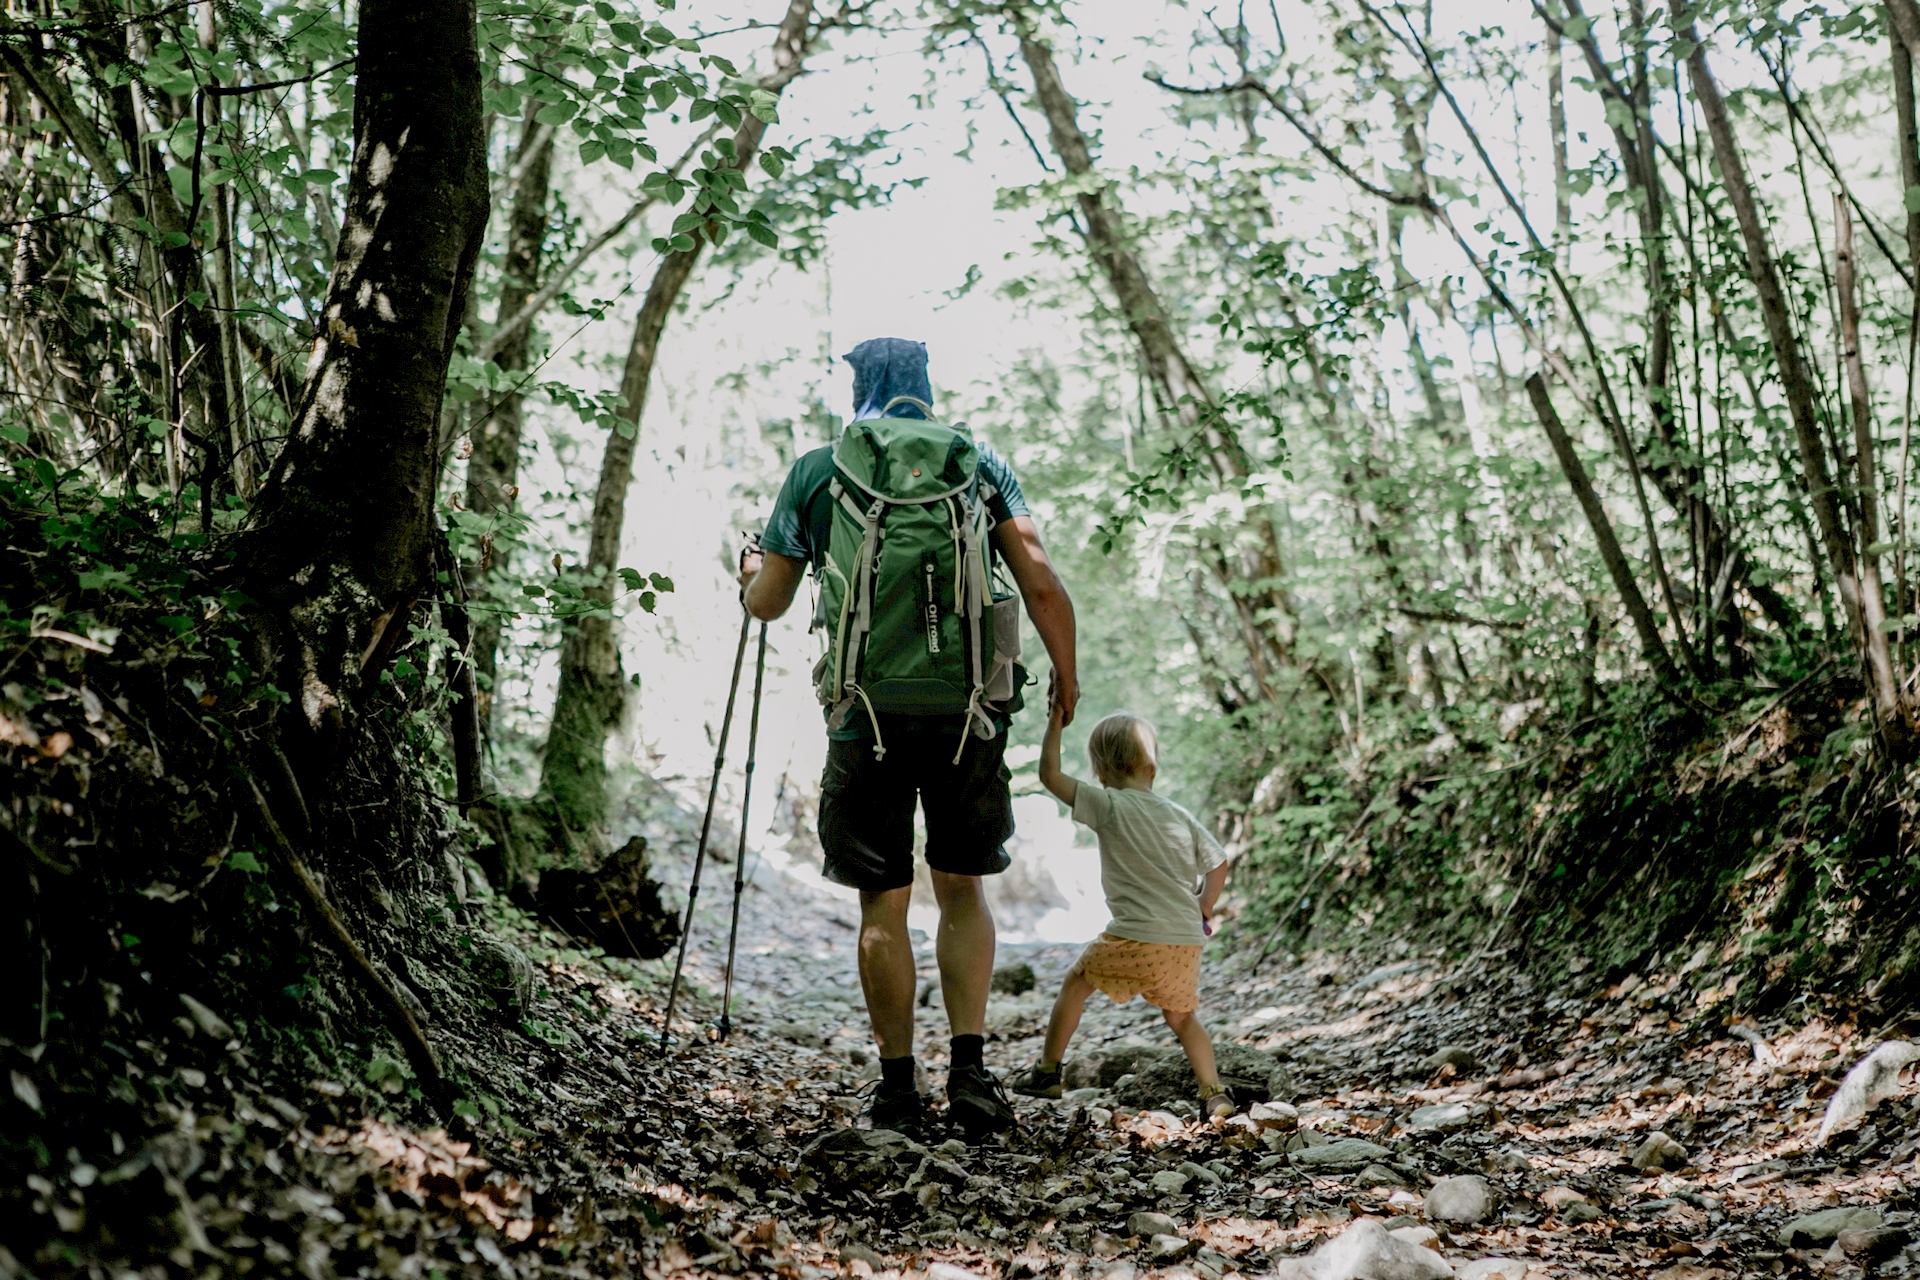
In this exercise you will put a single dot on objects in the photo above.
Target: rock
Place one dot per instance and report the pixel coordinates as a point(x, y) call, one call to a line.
point(1081, 1097)
point(1403, 1200)
point(210, 1023)
point(1305, 1138)
point(1450, 1055)
point(1445, 1116)
point(1557, 1198)
point(1415, 1233)
point(1169, 1182)
point(799, 1033)
point(1366, 1251)
point(506, 972)
point(1873, 1079)
point(1126, 1059)
point(843, 1144)
point(1658, 1152)
point(854, 1251)
point(1378, 1175)
point(1580, 1211)
point(1014, 979)
point(1211, 1263)
point(1168, 1248)
point(1080, 1073)
point(1348, 1153)
point(1465, 1199)
point(1145, 1224)
point(1875, 1243)
point(1106, 1246)
point(947, 1271)
point(1274, 1115)
point(1512, 1162)
point(1249, 1074)
point(1818, 1228)
point(1491, 1269)
point(1099, 1117)
point(1200, 1172)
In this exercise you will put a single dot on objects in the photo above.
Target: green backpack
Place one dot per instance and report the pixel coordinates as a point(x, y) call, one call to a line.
point(913, 625)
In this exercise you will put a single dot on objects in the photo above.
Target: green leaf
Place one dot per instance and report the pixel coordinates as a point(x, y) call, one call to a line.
point(244, 860)
point(682, 244)
point(13, 435)
point(591, 151)
point(660, 581)
point(1577, 28)
point(663, 94)
point(701, 109)
point(762, 234)
point(772, 164)
point(557, 112)
point(764, 105)
point(647, 601)
point(631, 579)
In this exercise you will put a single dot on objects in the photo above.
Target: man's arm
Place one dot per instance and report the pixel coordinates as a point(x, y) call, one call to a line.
point(1018, 542)
point(768, 581)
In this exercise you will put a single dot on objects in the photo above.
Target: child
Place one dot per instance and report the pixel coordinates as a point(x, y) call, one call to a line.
point(1152, 853)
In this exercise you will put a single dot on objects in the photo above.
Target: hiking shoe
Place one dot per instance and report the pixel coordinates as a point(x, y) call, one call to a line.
point(1217, 1105)
point(1036, 1083)
point(902, 1110)
point(977, 1102)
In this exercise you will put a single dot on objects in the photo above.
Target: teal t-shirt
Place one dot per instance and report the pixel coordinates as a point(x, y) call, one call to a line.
point(798, 529)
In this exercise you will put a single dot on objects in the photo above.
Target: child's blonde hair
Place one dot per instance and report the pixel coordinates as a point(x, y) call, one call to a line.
point(1120, 746)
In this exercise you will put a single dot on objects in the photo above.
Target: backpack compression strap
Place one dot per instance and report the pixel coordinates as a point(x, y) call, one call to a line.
point(857, 607)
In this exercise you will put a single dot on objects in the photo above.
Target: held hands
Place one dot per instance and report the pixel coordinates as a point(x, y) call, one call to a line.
point(1062, 695)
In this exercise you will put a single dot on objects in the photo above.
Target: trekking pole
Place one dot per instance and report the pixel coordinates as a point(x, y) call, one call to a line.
point(740, 856)
point(706, 827)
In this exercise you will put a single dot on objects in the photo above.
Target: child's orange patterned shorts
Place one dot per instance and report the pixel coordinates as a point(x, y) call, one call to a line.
point(1167, 974)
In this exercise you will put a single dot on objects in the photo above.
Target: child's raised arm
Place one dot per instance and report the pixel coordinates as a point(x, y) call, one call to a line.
point(1064, 787)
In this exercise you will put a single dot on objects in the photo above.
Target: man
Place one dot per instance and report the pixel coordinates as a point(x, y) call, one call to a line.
point(869, 790)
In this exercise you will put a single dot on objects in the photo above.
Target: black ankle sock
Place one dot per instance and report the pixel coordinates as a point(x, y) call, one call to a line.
point(968, 1051)
point(897, 1073)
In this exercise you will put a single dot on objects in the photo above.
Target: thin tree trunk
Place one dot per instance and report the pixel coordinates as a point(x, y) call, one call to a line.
point(591, 700)
point(493, 472)
point(1557, 132)
point(1886, 685)
point(1907, 131)
point(1610, 553)
point(1182, 390)
point(1821, 493)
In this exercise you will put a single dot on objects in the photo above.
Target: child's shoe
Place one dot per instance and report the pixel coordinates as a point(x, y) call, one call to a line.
point(1036, 1083)
point(1217, 1105)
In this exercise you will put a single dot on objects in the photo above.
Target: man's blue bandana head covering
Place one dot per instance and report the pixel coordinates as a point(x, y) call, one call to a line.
point(884, 368)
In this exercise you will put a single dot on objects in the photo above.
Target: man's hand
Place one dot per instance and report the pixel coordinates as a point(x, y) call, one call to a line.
point(751, 559)
point(1063, 695)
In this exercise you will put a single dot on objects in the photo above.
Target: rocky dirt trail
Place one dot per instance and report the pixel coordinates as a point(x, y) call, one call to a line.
point(1406, 1118)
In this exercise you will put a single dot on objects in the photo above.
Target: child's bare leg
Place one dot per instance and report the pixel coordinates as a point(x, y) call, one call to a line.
point(1065, 1021)
point(1193, 1038)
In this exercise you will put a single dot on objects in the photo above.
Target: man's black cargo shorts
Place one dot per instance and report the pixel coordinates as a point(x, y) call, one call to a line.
point(866, 808)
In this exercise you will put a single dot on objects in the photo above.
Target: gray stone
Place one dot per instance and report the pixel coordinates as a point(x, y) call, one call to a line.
point(1875, 1243)
point(1873, 1079)
point(1658, 1152)
point(1250, 1075)
point(1366, 1251)
point(1274, 1115)
point(1127, 1059)
point(1450, 1055)
point(1144, 1224)
point(1465, 1199)
point(1378, 1175)
point(1171, 1248)
point(1415, 1233)
point(1580, 1211)
point(1080, 1073)
point(1445, 1115)
point(1014, 979)
point(1492, 1269)
point(1199, 1171)
point(1347, 1153)
point(1082, 1097)
point(1512, 1162)
point(1169, 1182)
point(1818, 1228)
point(799, 1033)
point(947, 1271)
point(1303, 1139)
point(854, 1251)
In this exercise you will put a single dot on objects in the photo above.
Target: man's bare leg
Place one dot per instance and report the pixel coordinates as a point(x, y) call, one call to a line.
point(886, 969)
point(965, 951)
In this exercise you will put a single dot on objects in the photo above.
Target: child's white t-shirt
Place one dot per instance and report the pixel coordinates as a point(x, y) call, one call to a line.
point(1152, 856)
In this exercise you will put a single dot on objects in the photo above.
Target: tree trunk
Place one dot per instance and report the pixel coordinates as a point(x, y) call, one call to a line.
point(1821, 493)
point(344, 534)
point(1610, 553)
point(493, 472)
point(591, 700)
point(1888, 703)
point(1181, 387)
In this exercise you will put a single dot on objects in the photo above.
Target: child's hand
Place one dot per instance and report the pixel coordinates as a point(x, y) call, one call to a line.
point(1206, 925)
point(1056, 709)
